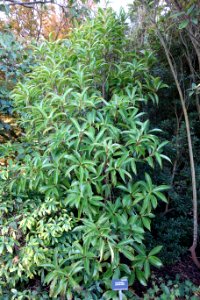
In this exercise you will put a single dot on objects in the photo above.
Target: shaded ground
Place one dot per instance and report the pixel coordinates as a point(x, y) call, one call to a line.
point(185, 268)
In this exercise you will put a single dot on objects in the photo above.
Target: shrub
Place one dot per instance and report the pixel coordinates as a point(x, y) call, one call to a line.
point(15, 61)
point(173, 234)
point(74, 207)
point(167, 289)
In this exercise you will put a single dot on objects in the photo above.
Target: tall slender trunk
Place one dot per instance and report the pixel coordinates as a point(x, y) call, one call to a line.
point(192, 166)
point(178, 121)
point(194, 80)
point(196, 46)
point(189, 60)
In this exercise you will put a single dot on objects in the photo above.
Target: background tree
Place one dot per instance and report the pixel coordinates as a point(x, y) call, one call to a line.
point(37, 19)
point(161, 16)
point(15, 61)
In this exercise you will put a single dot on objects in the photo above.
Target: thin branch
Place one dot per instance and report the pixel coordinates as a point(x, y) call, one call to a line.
point(31, 4)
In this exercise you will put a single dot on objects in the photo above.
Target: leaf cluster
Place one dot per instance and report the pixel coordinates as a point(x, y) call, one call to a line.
point(74, 209)
point(15, 62)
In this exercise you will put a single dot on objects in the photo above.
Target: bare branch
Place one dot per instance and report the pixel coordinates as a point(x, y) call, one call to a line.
point(31, 4)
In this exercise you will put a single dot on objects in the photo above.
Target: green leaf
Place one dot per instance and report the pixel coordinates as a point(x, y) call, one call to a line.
point(158, 158)
point(183, 24)
point(155, 261)
point(111, 251)
point(155, 250)
point(5, 8)
point(147, 222)
point(146, 269)
point(140, 277)
point(149, 181)
point(125, 269)
point(125, 242)
point(127, 254)
point(139, 249)
point(9, 248)
point(161, 188)
point(133, 166)
point(110, 295)
point(161, 196)
point(190, 9)
point(195, 21)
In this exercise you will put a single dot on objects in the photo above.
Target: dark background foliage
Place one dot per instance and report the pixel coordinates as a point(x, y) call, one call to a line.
point(15, 61)
point(172, 226)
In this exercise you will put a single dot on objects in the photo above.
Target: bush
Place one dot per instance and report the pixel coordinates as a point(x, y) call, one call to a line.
point(74, 202)
point(173, 234)
point(167, 289)
point(15, 61)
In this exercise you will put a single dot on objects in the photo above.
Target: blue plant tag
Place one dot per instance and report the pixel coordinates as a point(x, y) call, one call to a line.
point(119, 284)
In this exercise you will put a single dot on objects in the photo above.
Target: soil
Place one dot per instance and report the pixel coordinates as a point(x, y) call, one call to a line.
point(185, 268)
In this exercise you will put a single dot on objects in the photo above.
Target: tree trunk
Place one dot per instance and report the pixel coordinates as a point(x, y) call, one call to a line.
point(192, 167)
point(189, 60)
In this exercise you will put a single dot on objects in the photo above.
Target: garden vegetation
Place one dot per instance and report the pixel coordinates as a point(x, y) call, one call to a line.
point(76, 193)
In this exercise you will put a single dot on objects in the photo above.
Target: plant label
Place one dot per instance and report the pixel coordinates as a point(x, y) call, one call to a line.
point(119, 284)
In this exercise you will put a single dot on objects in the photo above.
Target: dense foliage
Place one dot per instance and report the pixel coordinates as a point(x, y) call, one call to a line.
point(173, 227)
point(167, 289)
point(178, 23)
point(15, 61)
point(76, 196)
point(35, 20)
